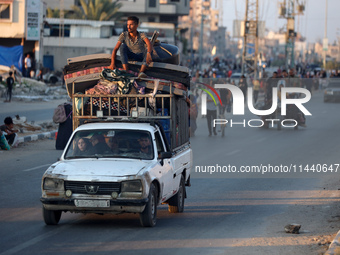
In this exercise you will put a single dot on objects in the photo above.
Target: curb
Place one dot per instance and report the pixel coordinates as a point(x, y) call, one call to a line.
point(36, 137)
point(334, 248)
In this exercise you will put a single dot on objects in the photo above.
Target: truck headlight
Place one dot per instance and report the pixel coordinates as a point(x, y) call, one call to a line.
point(131, 189)
point(53, 184)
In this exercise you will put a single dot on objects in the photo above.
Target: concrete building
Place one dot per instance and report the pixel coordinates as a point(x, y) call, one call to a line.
point(82, 37)
point(332, 53)
point(203, 16)
point(20, 24)
point(163, 11)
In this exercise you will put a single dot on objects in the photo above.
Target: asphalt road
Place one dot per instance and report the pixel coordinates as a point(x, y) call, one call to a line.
point(224, 213)
point(33, 111)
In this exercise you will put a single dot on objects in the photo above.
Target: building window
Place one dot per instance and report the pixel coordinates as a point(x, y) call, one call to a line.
point(151, 19)
point(152, 3)
point(5, 10)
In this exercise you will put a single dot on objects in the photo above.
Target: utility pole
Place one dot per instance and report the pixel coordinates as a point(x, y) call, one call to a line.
point(201, 38)
point(250, 43)
point(290, 35)
point(61, 24)
point(325, 40)
point(287, 11)
point(192, 59)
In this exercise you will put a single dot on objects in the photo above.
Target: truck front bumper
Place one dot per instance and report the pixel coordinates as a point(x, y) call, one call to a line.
point(116, 206)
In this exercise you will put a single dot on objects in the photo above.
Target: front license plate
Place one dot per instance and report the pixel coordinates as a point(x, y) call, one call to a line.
point(92, 203)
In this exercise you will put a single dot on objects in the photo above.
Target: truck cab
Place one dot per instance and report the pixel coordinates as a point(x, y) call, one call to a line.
point(122, 168)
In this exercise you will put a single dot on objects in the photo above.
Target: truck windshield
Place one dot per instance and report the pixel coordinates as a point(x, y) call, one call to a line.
point(111, 143)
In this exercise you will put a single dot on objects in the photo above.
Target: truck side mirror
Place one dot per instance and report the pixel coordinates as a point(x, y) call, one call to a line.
point(165, 154)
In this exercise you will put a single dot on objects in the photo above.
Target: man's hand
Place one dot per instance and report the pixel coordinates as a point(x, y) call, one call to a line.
point(148, 58)
point(112, 66)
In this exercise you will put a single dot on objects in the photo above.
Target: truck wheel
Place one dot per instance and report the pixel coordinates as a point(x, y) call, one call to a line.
point(51, 217)
point(176, 203)
point(149, 216)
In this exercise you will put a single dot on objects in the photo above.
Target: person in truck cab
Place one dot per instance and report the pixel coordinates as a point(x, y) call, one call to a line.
point(113, 143)
point(84, 147)
point(145, 146)
point(133, 45)
point(99, 144)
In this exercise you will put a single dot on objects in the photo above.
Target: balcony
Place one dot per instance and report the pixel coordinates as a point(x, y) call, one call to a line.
point(167, 9)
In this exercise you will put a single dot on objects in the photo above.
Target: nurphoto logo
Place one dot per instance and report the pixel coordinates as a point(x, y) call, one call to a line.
point(238, 104)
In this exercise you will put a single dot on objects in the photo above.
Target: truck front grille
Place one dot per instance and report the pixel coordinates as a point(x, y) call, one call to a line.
point(93, 188)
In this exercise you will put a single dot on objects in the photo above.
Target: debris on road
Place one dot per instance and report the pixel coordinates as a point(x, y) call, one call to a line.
point(292, 228)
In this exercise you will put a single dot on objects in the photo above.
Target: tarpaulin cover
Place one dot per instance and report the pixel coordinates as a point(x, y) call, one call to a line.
point(11, 56)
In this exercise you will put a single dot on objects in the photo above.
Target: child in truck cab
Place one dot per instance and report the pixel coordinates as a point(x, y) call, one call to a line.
point(83, 148)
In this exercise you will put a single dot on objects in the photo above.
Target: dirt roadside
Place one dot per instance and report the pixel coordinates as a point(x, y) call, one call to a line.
point(318, 212)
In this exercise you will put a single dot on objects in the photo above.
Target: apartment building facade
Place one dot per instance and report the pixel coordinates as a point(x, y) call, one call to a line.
point(20, 26)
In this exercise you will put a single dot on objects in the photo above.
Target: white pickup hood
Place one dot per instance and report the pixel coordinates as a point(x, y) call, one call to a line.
point(92, 169)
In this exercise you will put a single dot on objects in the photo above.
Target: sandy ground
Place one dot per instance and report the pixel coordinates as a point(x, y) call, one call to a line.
point(318, 212)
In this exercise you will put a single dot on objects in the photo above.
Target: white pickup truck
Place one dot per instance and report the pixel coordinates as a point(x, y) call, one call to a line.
point(128, 169)
point(130, 148)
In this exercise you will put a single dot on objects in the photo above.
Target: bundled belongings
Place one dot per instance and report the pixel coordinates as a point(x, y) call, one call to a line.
point(86, 70)
point(116, 82)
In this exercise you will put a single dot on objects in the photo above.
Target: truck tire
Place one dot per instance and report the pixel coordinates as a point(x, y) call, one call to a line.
point(148, 217)
point(176, 203)
point(51, 217)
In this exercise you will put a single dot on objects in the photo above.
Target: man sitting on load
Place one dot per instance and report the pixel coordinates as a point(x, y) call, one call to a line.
point(135, 46)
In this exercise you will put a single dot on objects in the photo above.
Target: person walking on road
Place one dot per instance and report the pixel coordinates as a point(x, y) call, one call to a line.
point(256, 88)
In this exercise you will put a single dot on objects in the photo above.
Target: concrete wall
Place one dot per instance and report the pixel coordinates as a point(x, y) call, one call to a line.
point(138, 6)
point(54, 4)
point(15, 28)
point(75, 47)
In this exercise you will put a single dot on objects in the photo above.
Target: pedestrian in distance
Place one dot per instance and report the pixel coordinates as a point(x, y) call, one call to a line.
point(133, 45)
point(28, 65)
point(10, 83)
point(212, 108)
point(243, 86)
point(256, 88)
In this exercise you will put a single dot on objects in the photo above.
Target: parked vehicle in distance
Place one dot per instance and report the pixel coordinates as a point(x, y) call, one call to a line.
point(332, 92)
point(235, 77)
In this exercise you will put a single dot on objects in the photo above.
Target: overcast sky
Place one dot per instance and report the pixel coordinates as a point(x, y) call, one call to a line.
point(311, 24)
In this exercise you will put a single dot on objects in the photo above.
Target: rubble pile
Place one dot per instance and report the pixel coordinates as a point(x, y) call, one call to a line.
point(30, 89)
point(24, 127)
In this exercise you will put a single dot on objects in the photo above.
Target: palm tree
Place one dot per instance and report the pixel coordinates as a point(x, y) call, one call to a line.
point(102, 10)
point(53, 13)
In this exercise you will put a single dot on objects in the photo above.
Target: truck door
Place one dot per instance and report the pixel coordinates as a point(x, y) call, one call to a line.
point(165, 168)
